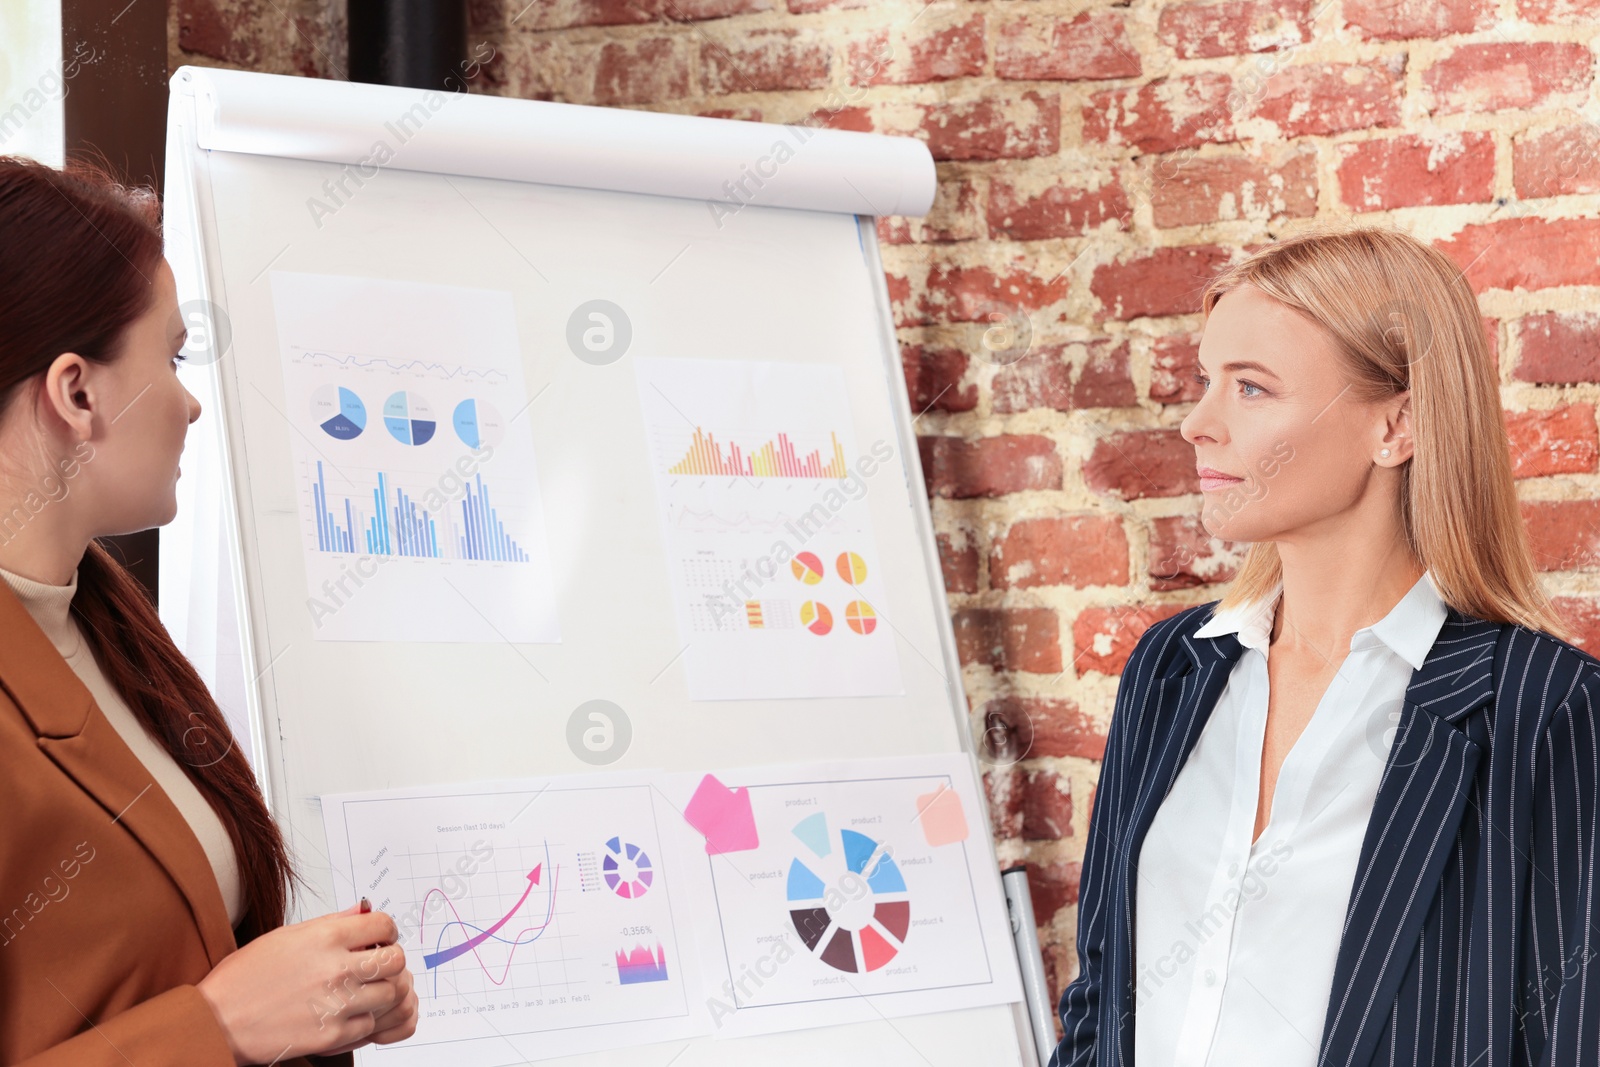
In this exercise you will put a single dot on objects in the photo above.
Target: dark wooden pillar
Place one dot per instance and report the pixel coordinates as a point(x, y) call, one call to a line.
point(415, 43)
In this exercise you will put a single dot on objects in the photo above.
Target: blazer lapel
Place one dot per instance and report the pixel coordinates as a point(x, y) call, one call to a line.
point(79, 739)
point(1183, 702)
point(1426, 783)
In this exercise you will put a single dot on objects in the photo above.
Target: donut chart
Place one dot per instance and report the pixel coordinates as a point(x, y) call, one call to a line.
point(865, 931)
point(627, 869)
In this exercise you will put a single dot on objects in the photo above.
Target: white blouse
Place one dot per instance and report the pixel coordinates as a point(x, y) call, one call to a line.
point(1234, 942)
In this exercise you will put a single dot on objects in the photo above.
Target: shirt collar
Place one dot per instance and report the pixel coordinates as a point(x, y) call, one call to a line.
point(1409, 629)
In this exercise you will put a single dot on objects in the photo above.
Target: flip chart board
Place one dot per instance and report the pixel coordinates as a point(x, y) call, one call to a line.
point(543, 440)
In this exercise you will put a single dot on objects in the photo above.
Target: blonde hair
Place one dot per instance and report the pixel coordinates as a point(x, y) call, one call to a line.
point(1402, 315)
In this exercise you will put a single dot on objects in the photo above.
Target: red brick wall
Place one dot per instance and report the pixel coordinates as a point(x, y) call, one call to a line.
point(1096, 163)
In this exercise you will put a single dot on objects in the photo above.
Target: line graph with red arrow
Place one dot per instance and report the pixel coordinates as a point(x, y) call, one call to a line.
point(441, 955)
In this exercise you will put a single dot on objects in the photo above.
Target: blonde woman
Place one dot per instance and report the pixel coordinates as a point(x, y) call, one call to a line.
point(1347, 814)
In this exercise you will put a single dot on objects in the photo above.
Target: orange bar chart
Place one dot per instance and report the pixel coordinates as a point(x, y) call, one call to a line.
point(774, 459)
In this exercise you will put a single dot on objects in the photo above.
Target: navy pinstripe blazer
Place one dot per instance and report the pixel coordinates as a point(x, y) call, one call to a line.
point(1471, 924)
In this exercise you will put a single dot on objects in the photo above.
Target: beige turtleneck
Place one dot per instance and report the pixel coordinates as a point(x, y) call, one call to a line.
point(51, 608)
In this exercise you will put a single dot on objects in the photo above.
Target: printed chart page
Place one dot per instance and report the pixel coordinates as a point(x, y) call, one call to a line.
point(776, 575)
point(540, 917)
point(417, 479)
point(850, 891)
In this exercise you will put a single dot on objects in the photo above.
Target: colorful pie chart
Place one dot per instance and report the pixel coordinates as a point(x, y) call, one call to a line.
point(627, 869)
point(339, 412)
point(815, 616)
point(807, 567)
point(409, 418)
point(852, 568)
point(848, 932)
point(860, 617)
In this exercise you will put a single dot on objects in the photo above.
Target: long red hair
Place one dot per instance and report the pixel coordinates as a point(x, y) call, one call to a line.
point(80, 250)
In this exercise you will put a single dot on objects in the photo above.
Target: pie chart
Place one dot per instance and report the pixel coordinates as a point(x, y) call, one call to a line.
point(339, 412)
point(844, 928)
point(627, 869)
point(815, 616)
point(409, 418)
point(860, 617)
point(807, 567)
point(852, 568)
point(478, 424)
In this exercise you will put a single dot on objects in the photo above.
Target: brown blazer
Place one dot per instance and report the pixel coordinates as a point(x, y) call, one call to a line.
point(109, 910)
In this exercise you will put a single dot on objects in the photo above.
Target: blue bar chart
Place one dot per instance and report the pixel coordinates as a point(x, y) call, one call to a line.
point(419, 507)
point(485, 536)
point(390, 522)
point(331, 537)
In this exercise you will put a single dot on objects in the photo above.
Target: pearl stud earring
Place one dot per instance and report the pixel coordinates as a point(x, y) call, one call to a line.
point(1385, 452)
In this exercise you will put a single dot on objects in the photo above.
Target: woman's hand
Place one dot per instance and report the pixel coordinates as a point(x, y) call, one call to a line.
point(314, 987)
point(395, 1024)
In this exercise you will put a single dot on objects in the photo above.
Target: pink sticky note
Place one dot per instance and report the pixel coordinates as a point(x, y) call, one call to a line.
point(943, 820)
point(723, 816)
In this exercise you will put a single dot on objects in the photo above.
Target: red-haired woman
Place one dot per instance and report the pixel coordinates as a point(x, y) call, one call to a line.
point(143, 884)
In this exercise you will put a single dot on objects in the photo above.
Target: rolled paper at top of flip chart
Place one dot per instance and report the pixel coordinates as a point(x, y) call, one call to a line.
point(624, 150)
